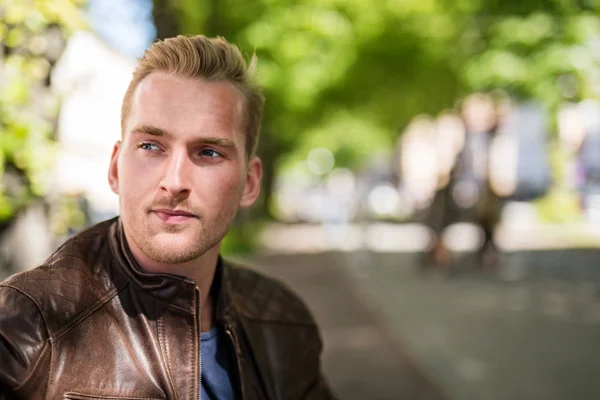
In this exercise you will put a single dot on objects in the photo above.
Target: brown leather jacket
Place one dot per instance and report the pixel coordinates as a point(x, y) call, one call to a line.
point(89, 324)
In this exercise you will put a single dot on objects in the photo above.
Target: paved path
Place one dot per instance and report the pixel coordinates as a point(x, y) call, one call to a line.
point(362, 360)
point(392, 333)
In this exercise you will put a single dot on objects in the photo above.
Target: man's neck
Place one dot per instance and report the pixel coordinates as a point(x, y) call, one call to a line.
point(201, 270)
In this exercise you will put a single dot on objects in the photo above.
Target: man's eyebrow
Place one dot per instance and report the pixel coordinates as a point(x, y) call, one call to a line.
point(221, 142)
point(150, 130)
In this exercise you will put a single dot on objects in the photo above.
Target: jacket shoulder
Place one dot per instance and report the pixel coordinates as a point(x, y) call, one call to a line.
point(75, 279)
point(260, 297)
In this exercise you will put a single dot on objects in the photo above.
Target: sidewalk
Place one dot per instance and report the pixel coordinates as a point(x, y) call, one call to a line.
point(362, 358)
point(392, 333)
point(488, 339)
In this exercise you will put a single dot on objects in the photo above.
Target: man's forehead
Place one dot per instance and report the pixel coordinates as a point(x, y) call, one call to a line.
point(171, 86)
point(164, 95)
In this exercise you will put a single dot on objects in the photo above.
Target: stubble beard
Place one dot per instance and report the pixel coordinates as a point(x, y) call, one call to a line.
point(197, 243)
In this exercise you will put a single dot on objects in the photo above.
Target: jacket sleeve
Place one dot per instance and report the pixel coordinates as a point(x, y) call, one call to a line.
point(23, 339)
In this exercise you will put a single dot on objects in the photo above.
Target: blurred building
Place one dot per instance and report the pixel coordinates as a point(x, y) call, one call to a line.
point(91, 79)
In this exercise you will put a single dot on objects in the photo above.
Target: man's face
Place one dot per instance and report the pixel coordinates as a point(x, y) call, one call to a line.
point(181, 171)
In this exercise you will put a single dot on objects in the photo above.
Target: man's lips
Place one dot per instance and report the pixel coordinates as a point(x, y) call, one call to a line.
point(174, 212)
point(168, 215)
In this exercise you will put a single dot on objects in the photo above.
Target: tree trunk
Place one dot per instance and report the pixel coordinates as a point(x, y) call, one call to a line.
point(166, 18)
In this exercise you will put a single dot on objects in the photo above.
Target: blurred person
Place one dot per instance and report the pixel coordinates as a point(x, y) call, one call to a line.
point(449, 138)
point(418, 162)
point(463, 192)
point(588, 155)
point(340, 205)
point(571, 132)
point(527, 126)
point(142, 305)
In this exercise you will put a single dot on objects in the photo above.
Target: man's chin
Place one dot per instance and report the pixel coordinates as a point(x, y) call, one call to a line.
point(173, 255)
point(170, 248)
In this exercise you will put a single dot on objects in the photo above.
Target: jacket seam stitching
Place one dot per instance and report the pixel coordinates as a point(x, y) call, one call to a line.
point(83, 315)
point(79, 236)
point(162, 338)
point(7, 285)
point(35, 371)
point(194, 362)
point(109, 397)
point(168, 305)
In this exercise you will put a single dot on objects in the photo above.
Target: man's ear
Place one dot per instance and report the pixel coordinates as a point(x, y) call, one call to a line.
point(253, 180)
point(113, 169)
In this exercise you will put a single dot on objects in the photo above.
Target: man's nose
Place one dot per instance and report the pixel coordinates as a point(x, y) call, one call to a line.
point(176, 177)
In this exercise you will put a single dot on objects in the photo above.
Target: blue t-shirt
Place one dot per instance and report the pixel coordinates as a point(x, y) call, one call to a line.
point(216, 371)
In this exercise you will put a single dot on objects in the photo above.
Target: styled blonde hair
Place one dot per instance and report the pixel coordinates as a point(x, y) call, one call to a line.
point(213, 59)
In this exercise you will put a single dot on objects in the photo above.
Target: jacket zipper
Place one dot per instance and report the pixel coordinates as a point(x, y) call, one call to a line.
point(199, 323)
point(237, 359)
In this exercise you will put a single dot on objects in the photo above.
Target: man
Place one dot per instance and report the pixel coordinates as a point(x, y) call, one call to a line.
point(142, 306)
point(464, 193)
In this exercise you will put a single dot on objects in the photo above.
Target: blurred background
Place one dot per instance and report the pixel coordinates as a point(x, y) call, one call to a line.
point(432, 173)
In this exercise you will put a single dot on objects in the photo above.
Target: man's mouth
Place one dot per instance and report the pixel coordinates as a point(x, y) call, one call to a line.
point(173, 216)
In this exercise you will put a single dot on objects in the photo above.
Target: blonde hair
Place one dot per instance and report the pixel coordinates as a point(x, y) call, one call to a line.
point(213, 59)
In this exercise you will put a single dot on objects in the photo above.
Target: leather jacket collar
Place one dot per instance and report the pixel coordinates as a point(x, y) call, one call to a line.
point(172, 289)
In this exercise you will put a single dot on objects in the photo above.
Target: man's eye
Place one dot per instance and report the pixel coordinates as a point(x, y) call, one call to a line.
point(209, 153)
point(148, 146)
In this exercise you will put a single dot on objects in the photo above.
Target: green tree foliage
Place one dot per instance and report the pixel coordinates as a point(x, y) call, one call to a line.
point(548, 53)
point(33, 35)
